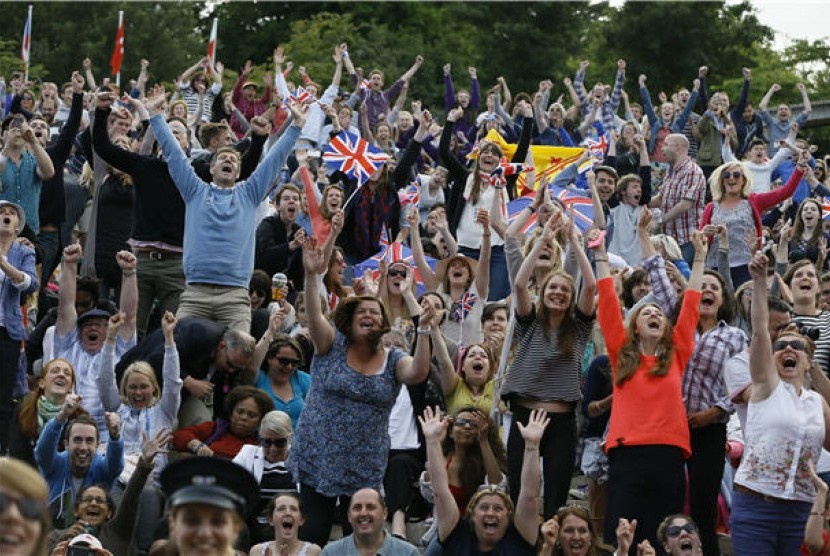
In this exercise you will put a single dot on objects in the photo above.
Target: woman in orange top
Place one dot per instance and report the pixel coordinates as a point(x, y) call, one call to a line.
point(648, 435)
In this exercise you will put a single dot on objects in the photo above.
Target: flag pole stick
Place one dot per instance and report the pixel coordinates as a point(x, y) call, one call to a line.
point(29, 53)
point(118, 75)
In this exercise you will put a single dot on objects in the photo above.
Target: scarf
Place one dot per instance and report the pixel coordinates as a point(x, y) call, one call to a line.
point(46, 411)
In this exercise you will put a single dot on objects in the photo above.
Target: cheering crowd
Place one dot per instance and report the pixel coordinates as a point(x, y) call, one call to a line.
point(230, 320)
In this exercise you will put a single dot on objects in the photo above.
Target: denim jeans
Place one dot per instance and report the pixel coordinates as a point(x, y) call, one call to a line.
point(766, 528)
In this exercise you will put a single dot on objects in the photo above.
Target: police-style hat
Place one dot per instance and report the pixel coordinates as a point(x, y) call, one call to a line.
point(211, 481)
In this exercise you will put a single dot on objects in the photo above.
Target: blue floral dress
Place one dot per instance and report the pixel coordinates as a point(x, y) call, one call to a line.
point(341, 443)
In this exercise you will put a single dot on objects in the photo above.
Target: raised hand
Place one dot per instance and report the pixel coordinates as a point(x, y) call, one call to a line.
point(168, 327)
point(77, 83)
point(455, 114)
point(758, 265)
point(156, 444)
point(113, 324)
point(113, 422)
point(312, 256)
point(72, 253)
point(536, 424)
point(700, 242)
point(433, 425)
point(625, 534)
point(645, 549)
point(447, 68)
point(550, 531)
point(126, 261)
point(70, 404)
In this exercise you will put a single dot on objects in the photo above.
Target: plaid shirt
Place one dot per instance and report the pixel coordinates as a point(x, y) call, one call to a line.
point(703, 384)
point(684, 182)
point(608, 112)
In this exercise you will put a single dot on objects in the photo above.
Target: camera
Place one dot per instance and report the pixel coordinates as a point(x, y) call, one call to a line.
point(812, 332)
point(79, 550)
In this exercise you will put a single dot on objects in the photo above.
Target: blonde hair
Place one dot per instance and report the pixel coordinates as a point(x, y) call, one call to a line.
point(669, 245)
point(716, 183)
point(20, 477)
point(142, 368)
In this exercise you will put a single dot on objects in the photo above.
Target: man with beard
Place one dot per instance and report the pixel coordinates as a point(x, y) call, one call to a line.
point(79, 339)
point(68, 472)
point(367, 515)
point(278, 238)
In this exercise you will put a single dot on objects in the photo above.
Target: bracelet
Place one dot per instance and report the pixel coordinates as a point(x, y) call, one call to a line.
point(195, 448)
point(424, 331)
point(596, 260)
point(128, 273)
point(531, 208)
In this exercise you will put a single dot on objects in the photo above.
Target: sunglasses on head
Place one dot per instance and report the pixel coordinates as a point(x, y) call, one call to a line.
point(397, 272)
point(675, 530)
point(29, 508)
point(287, 361)
point(798, 345)
point(277, 442)
point(734, 174)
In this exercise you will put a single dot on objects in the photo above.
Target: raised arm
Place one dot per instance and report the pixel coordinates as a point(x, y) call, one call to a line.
point(434, 427)
point(526, 519)
point(805, 98)
point(67, 315)
point(45, 168)
point(761, 364)
point(585, 302)
point(427, 275)
point(414, 370)
point(105, 367)
point(90, 78)
point(524, 303)
point(320, 330)
point(127, 262)
point(483, 272)
point(774, 88)
point(410, 73)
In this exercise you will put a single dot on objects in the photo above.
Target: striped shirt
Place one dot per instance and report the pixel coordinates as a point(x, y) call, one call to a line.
point(685, 181)
point(540, 370)
point(822, 322)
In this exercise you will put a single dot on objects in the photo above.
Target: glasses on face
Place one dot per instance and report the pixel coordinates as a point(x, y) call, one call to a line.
point(397, 272)
point(464, 422)
point(798, 345)
point(91, 499)
point(287, 361)
point(29, 508)
point(275, 442)
point(675, 530)
point(734, 174)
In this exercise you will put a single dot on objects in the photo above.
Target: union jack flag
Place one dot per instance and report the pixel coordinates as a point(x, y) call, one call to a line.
point(411, 194)
point(353, 156)
point(505, 169)
point(26, 45)
point(516, 206)
point(393, 252)
point(365, 85)
point(301, 96)
point(464, 306)
point(583, 208)
point(597, 148)
point(825, 208)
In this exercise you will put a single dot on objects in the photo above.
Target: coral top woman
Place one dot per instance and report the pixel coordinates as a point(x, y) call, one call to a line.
point(648, 434)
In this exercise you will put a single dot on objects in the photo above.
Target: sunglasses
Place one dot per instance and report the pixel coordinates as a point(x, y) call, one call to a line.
point(464, 422)
point(287, 361)
point(96, 499)
point(397, 272)
point(734, 175)
point(29, 508)
point(675, 530)
point(798, 345)
point(277, 442)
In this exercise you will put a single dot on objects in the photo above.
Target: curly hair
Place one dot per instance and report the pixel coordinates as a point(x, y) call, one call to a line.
point(629, 359)
point(240, 393)
point(475, 190)
point(472, 471)
point(342, 318)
